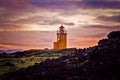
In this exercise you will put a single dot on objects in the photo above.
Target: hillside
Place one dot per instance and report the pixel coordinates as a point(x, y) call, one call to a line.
point(101, 62)
point(22, 59)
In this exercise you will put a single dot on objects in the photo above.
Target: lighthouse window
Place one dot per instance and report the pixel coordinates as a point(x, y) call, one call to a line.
point(58, 38)
point(62, 36)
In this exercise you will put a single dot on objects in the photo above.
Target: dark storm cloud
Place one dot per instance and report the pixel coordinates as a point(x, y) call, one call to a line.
point(114, 18)
point(99, 4)
point(57, 4)
point(114, 4)
point(63, 4)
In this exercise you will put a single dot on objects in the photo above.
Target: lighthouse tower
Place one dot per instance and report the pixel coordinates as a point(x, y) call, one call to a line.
point(61, 39)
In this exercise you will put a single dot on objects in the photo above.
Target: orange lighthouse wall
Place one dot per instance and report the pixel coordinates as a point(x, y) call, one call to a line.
point(61, 39)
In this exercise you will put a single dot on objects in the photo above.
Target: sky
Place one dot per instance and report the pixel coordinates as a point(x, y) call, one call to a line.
point(32, 24)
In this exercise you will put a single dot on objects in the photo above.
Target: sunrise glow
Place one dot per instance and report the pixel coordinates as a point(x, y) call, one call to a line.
point(32, 24)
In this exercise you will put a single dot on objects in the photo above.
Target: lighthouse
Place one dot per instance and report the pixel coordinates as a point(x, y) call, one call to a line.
point(61, 42)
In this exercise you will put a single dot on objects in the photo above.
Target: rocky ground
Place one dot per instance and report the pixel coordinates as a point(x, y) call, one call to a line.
point(101, 62)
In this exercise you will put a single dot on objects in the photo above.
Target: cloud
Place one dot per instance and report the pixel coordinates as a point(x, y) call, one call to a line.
point(103, 4)
point(16, 19)
point(69, 24)
point(68, 4)
point(47, 15)
point(21, 44)
point(114, 18)
point(102, 27)
point(10, 27)
point(2, 47)
point(47, 21)
point(45, 40)
point(54, 4)
point(99, 35)
point(22, 14)
point(26, 39)
point(93, 31)
point(20, 4)
point(18, 44)
point(12, 10)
